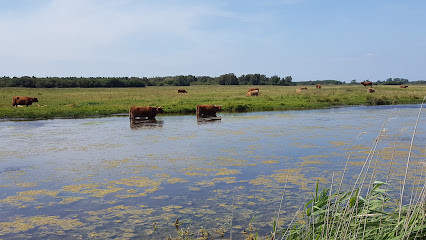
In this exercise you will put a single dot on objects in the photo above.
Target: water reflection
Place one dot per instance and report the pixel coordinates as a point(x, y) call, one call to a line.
point(207, 120)
point(145, 123)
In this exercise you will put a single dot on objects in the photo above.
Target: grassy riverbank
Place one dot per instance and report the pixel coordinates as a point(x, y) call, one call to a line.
point(82, 102)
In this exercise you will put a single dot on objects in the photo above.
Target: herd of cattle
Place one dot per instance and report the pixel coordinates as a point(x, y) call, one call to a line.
point(203, 111)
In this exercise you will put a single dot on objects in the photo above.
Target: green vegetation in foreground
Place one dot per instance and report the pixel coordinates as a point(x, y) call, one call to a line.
point(83, 102)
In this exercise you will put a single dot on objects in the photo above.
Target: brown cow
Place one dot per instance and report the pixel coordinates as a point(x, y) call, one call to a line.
point(299, 90)
point(144, 112)
point(23, 101)
point(303, 88)
point(205, 111)
point(252, 89)
point(318, 86)
point(371, 90)
point(252, 93)
point(403, 86)
point(367, 84)
point(182, 91)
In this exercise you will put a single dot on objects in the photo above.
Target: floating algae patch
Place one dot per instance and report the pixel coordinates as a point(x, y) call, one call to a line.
point(338, 143)
point(262, 180)
point(69, 200)
point(161, 197)
point(225, 161)
point(18, 200)
point(176, 180)
point(80, 187)
point(291, 175)
point(195, 174)
point(142, 182)
point(313, 157)
point(270, 162)
point(170, 208)
point(102, 192)
point(27, 197)
point(162, 175)
point(225, 171)
point(225, 180)
point(114, 163)
point(205, 183)
point(310, 162)
point(28, 223)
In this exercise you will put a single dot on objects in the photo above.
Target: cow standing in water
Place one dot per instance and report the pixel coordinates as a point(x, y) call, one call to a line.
point(144, 112)
point(206, 111)
point(367, 83)
point(23, 101)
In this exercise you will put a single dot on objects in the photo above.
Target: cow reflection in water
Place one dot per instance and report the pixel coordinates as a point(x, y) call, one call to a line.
point(145, 123)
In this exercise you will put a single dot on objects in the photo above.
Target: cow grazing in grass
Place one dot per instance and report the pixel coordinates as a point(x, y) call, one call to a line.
point(23, 101)
point(318, 86)
point(252, 93)
point(299, 90)
point(303, 88)
point(252, 89)
point(182, 91)
point(403, 86)
point(205, 111)
point(367, 84)
point(144, 112)
point(371, 90)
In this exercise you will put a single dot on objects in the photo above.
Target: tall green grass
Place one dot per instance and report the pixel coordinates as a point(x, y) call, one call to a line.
point(83, 102)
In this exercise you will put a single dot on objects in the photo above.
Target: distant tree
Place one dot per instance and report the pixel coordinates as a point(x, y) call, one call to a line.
point(228, 79)
point(287, 81)
point(274, 80)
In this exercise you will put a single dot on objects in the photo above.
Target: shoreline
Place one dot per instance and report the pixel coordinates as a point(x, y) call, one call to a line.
point(186, 114)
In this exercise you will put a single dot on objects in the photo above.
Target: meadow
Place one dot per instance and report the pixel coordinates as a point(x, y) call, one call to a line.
point(84, 102)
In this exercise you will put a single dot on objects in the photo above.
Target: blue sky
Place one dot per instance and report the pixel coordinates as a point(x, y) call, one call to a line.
point(305, 39)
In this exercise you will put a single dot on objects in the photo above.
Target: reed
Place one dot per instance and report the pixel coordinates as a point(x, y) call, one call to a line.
point(84, 102)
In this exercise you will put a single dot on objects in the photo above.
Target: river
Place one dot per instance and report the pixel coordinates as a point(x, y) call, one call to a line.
point(105, 178)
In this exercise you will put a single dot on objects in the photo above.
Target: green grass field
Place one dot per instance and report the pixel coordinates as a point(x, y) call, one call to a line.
point(83, 102)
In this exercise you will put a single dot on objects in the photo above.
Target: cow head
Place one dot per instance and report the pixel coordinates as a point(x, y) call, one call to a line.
point(34, 99)
point(218, 107)
point(159, 110)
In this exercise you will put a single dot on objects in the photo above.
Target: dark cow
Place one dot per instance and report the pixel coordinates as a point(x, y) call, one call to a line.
point(182, 91)
point(303, 88)
point(318, 86)
point(403, 86)
point(252, 93)
point(367, 84)
point(205, 111)
point(371, 90)
point(252, 89)
point(23, 101)
point(144, 112)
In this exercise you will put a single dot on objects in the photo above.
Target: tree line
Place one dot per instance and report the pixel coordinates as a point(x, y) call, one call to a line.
point(180, 80)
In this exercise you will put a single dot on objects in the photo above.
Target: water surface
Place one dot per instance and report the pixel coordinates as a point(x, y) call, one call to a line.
point(105, 178)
